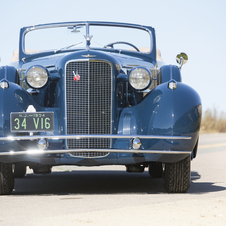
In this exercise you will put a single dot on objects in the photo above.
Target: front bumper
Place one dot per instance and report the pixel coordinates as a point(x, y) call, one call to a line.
point(36, 151)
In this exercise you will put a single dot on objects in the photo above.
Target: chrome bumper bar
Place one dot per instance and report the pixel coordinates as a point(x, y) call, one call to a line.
point(59, 137)
point(63, 151)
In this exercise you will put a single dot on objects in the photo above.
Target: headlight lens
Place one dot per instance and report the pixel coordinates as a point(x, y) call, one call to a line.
point(37, 77)
point(140, 78)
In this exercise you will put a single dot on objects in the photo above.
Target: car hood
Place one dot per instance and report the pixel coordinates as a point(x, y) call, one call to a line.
point(56, 60)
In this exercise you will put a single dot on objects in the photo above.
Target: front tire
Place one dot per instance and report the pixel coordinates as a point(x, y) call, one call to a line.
point(6, 178)
point(176, 176)
point(19, 170)
point(155, 169)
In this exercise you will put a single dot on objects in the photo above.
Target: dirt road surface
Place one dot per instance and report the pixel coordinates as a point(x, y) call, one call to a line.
point(109, 196)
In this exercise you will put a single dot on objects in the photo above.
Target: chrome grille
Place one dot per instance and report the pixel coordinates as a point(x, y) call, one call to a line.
point(88, 104)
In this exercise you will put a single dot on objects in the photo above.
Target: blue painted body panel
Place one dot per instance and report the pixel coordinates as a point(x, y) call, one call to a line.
point(164, 112)
point(161, 112)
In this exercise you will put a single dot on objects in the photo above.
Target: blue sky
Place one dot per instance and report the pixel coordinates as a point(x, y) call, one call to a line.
point(195, 27)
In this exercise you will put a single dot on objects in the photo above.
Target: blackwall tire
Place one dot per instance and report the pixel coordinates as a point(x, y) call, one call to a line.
point(176, 176)
point(19, 170)
point(155, 169)
point(6, 179)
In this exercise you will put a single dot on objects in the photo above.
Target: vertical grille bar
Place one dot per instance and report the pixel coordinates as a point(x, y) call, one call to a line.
point(88, 103)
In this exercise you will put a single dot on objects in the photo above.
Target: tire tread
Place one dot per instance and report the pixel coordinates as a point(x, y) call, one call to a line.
point(176, 177)
point(6, 179)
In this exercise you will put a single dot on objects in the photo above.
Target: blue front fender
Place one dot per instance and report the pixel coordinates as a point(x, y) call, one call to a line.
point(12, 99)
point(16, 99)
point(164, 112)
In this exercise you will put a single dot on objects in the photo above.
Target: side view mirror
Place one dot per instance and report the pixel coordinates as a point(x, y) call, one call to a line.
point(181, 59)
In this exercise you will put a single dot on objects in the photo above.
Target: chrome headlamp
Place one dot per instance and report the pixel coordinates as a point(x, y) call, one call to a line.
point(37, 77)
point(140, 78)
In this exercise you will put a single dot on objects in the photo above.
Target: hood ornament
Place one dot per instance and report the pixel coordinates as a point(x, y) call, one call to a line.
point(76, 76)
point(88, 40)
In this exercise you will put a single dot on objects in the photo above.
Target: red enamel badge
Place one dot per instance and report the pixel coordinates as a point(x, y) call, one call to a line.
point(76, 76)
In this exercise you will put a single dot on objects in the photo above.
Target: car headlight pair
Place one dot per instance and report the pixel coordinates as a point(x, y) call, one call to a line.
point(37, 77)
point(140, 78)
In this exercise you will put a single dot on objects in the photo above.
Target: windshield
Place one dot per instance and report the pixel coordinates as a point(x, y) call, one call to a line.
point(74, 37)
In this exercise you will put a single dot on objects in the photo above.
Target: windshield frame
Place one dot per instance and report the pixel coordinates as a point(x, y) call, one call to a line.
point(23, 55)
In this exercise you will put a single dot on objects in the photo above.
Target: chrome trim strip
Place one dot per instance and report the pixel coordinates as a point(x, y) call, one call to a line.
point(83, 136)
point(38, 151)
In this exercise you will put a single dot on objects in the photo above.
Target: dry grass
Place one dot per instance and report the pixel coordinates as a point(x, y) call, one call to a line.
point(213, 122)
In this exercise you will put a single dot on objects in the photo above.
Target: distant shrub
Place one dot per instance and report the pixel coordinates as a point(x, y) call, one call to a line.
point(213, 122)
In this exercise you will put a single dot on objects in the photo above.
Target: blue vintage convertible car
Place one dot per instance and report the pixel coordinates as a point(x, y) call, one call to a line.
point(96, 93)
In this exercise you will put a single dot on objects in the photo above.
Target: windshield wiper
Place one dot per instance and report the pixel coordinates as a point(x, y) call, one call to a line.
point(68, 47)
